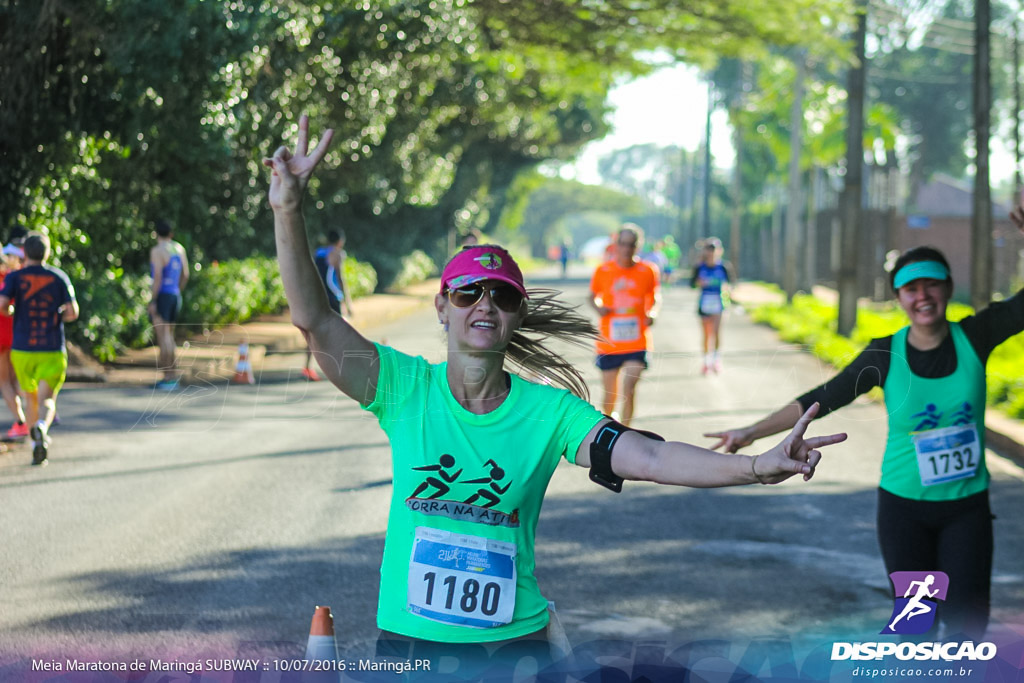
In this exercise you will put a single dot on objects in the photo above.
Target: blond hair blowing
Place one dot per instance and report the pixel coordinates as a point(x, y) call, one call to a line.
point(548, 318)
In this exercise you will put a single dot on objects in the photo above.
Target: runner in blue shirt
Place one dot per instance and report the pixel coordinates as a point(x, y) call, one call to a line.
point(168, 267)
point(44, 300)
point(711, 276)
point(330, 264)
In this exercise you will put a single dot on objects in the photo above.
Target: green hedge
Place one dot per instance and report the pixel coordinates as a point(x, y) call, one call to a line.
point(812, 322)
point(114, 314)
point(233, 292)
point(360, 278)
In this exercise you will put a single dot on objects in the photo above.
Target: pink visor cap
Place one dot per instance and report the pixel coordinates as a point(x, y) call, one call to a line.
point(475, 264)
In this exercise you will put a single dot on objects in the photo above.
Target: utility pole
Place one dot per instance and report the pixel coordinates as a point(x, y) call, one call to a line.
point(981, 219)
point(850, 200)
point(791, 276)
point(1018, 185)
point(691, 191)
point(736, 190)
point(736, 194)
point(706, 216)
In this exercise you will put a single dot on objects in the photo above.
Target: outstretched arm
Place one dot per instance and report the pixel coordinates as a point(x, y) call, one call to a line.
point(183, 278)
point(347, 358)
point(637, 457)
point(782, 419)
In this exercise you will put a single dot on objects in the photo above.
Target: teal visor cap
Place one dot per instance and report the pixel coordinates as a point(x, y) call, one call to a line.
point(915, 271)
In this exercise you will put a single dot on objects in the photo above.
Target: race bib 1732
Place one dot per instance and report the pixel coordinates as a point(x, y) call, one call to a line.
point(947, 454)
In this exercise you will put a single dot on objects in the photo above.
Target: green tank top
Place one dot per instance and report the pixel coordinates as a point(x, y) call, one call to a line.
point(936, 444)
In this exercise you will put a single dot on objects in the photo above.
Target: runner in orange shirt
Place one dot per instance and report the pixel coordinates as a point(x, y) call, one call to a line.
point(624, 292)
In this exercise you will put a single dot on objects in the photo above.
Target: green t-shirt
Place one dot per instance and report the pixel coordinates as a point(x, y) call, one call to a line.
point(458, 555)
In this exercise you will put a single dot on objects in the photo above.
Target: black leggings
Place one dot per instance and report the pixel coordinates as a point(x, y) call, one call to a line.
point(954, 537)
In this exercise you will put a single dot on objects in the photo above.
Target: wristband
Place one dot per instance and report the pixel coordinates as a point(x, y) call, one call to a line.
point(754, 471)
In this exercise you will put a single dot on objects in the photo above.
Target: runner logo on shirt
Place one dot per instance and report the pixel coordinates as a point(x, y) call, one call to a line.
point(930, 418)
point(622, 284)
point(442, 493)
point(963, 416)
point(915, 599)
point(31, 284)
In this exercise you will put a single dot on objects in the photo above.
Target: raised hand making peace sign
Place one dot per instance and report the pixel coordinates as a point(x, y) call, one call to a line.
point(292, 171)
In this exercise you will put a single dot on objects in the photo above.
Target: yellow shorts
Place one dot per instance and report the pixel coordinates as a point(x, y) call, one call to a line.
point(33, 367)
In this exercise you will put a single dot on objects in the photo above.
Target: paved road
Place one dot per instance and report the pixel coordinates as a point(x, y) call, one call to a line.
point(216, 518)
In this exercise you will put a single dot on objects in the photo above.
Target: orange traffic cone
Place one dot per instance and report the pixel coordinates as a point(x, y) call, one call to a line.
point(243, 368)
point(321, 645)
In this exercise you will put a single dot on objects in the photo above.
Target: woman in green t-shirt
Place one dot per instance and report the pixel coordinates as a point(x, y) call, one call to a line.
point(933, 508)
point(473, 446)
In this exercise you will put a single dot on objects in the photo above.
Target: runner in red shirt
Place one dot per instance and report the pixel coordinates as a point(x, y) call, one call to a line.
point(11, 259)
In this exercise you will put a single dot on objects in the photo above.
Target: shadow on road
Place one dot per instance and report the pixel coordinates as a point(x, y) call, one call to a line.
point(803, 565)
point(212, 461)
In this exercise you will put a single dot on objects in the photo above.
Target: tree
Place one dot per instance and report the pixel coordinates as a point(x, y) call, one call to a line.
point(553, 200)
point(438, 105)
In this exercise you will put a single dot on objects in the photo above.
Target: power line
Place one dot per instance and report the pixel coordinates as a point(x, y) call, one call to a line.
point(944, 23)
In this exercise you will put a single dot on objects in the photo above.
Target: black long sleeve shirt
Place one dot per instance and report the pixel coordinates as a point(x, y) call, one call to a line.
point(985, 330)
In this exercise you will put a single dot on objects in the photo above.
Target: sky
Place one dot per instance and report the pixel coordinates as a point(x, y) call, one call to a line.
point(666, 107)
point(669, 106)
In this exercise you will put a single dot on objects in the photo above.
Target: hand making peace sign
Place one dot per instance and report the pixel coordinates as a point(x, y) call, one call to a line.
point(292, 171)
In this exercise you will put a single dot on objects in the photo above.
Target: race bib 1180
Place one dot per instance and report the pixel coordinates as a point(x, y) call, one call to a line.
point(462, 579)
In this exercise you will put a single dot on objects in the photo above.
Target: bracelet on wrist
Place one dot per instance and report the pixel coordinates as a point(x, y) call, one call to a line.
point(753, 470)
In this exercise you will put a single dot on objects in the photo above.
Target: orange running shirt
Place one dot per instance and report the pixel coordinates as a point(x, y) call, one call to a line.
point(629, 292)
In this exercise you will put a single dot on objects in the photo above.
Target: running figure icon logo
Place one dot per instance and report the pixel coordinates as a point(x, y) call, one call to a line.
point(916, 595)
point(490, 261)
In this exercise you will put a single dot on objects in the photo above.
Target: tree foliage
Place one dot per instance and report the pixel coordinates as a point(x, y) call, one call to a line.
point(922, 68)
point(116, 112)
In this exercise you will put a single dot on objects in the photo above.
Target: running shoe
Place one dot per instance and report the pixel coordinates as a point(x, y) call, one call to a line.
point(310, 374)
point(40, 444)
point(166, 385)
point(17, 432)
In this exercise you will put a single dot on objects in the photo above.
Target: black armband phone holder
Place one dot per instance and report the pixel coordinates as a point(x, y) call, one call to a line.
point(601, 453)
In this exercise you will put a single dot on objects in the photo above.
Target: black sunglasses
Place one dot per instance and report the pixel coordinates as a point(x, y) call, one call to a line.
point(505, 297)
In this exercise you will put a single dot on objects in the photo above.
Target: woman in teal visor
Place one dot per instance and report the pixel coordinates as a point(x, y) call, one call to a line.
point(933, 507)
